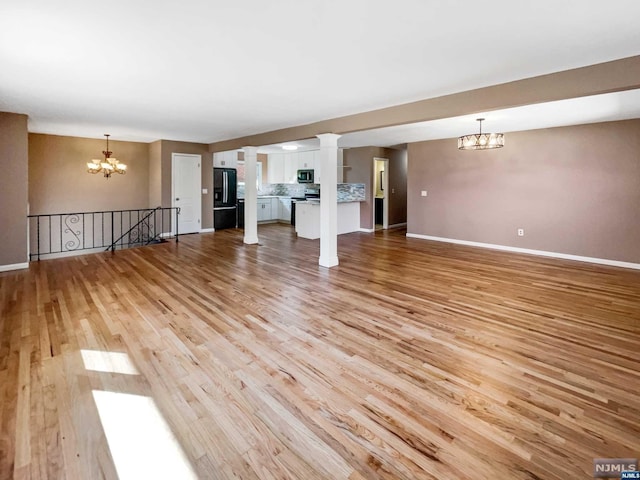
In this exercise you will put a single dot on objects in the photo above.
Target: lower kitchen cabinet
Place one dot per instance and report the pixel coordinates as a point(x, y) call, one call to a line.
point(268, 209)
point(264, 209)
point(284, 209)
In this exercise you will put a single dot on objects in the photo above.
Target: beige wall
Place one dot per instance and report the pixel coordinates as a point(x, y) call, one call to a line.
point(397, 185)
point(262, 158)
point(359, 169)
point(358, 163)
point(168, 147)
point(13, 188)
point(155, 174)
point(575, 190)
point(59, 182)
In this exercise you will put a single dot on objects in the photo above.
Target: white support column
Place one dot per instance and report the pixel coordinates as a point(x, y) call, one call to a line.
point(250, 195)
point(328, 200)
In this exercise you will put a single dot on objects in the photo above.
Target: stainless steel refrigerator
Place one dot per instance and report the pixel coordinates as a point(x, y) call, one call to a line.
point(225, 187)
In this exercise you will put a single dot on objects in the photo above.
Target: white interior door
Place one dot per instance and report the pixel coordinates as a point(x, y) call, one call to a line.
point(186, 185)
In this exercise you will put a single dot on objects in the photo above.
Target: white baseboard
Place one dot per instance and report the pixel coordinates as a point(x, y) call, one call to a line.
point(397, 225)
point(207, 230)
point(15, 266)
point(371, 230)
point(541, 253)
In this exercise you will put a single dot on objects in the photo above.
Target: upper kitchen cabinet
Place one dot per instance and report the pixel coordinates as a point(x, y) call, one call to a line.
point(291, 167)
point(276, 168)
point(306, 161)
point(317, 174)
point(283, 167)
point(226, 159)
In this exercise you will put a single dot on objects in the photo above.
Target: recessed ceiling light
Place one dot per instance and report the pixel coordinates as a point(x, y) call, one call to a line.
point(289, 147)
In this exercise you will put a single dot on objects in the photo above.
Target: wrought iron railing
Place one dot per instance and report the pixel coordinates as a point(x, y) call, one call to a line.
point(65, 233)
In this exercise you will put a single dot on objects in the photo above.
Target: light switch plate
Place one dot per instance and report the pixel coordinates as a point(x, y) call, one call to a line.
point(423, 193)
point(205, 191)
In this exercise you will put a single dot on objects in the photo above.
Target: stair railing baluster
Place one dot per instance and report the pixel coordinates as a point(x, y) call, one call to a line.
point(74, 227)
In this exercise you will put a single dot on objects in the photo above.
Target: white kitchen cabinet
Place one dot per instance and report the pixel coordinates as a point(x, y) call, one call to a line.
point(305, 161)
point(291, 167)
point(268, 209)
point(283, 167)
point(226, 159)
point(276, 168)
point(264, 209)
point(316, 166)
point(284, 210)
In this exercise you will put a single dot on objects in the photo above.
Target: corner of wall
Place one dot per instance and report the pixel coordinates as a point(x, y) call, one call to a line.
point(14, 188)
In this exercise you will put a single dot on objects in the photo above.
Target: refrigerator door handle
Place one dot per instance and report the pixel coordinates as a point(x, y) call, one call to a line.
point(225, 186)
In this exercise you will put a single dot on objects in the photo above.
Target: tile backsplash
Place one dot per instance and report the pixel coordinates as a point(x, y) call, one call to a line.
point(351, 192)
point(284, 189)
point(347, 192)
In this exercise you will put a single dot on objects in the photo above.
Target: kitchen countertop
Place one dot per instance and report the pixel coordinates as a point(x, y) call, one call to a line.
point(317, 201)
point(311, 201)
point(266, 196)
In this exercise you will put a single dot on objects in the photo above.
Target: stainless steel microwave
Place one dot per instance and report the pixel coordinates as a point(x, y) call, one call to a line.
point(305, 176)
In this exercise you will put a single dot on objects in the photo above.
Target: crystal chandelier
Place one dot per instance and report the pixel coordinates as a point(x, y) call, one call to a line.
point(481, 141)
point(108, 165)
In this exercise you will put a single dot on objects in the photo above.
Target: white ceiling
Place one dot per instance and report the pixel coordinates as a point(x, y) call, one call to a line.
point(204, 70)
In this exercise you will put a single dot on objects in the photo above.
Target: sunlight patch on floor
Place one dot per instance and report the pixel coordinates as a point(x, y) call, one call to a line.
point(141, 442)
point(112, 362)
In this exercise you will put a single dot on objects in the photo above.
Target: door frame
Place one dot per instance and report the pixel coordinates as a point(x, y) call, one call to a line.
point(197, 157)
point(385, 188)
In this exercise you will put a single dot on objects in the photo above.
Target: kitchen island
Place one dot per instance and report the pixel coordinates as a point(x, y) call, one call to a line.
point(308, 218)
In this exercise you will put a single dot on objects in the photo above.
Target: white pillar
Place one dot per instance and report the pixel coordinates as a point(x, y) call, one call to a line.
point(250, 195)
point(328, 200)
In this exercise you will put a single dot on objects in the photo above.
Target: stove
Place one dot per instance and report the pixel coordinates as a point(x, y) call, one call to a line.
point(312, 192)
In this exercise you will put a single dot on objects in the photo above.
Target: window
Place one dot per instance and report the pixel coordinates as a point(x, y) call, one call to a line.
point(241, 175)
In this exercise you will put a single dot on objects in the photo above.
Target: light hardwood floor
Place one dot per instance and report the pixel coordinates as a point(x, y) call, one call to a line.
point(411, 359)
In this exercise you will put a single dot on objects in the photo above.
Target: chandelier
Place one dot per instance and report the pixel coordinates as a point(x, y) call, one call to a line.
point(481, 141)
point(108, 165)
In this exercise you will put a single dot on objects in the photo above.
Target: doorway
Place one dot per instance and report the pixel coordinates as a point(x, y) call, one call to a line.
point(186, 182)
point(380, 193)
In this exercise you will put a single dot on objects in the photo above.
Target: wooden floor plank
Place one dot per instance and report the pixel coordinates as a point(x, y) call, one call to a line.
point(411, 359)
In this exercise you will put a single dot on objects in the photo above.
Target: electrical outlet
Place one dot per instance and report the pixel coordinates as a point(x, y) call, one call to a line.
point(521, 232)
point(423, 193)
